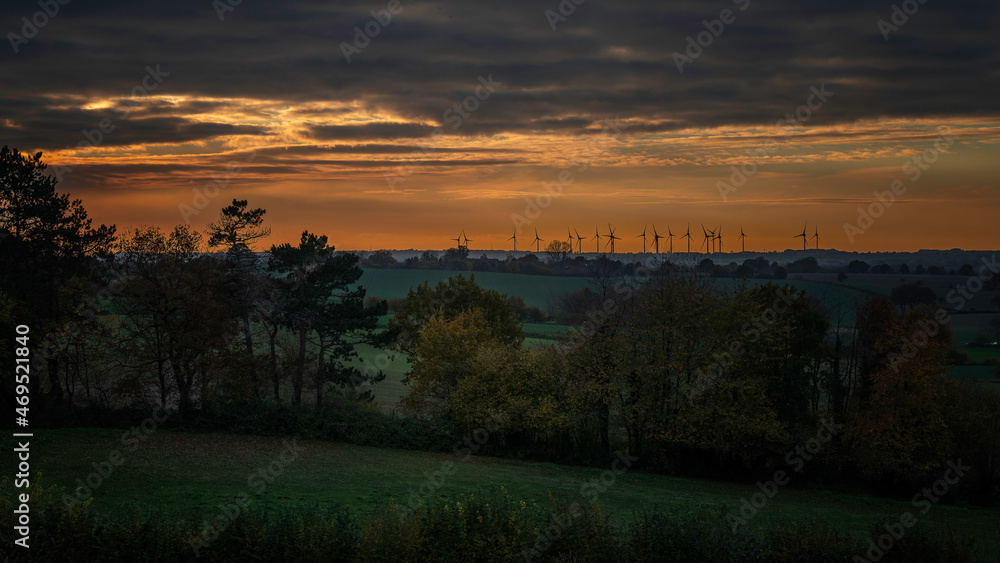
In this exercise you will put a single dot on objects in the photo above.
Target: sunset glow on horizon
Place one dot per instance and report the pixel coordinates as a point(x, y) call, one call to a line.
point(417, 139)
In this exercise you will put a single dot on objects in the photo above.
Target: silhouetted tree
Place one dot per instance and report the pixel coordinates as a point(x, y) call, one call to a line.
point(174, 303)
point(857, 267)
point(380, 259)
point(237, 230)
point(319, 294)
point(808, 265)
point(557, 252)
point(47, 247)
point(912, 294)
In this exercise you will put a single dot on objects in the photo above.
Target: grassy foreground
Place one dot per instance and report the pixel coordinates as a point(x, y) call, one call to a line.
point(191, 475)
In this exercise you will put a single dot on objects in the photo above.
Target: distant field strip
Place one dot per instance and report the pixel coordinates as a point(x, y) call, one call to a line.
point(536, 291)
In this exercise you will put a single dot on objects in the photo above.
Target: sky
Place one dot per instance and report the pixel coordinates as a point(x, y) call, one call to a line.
point(400, 124)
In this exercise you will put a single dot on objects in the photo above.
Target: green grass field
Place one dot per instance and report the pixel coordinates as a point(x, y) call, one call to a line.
point(873, 288)
point(979, 374)
point(389, 391)
point(980, 355)
point(970, 326)
point(190, 475)
point(536, 291)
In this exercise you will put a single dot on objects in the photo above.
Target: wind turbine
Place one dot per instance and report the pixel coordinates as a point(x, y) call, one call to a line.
point(514, 238)
point(579, 240)
point(670, 239)
point(537, 241)
point(569, 239)
point(656, 239)
point(707, 237)
point(643, 237)
point(688, 236)
point(597, 235)
point(803, 235)
point(467, 240)
point(458, 240)
point(743, 237)
point(611, 239)
point(816, 236)
point(718, 237)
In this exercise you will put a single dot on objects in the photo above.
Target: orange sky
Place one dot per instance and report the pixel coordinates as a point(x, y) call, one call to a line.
point(818, 176)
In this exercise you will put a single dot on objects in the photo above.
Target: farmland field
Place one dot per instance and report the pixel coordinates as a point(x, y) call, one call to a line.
point(536, 291)
point(941, 285)
point(979, 374)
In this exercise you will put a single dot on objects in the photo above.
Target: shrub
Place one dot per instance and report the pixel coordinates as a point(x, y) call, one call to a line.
point(691, 534)
point(485, 525)
point(308, 533)
point(482, 525)
point(920, 544)
point(812, 541)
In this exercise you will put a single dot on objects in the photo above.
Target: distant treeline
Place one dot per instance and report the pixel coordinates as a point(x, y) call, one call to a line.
point(558, 261)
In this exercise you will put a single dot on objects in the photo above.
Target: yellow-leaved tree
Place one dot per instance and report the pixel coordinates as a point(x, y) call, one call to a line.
point(444, 354)
point(518, 386)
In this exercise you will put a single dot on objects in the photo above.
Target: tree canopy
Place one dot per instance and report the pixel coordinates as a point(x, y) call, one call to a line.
point(318, 291)
point(448, 300)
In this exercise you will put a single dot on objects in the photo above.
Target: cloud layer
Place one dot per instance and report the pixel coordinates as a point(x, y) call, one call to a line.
point(510, 89)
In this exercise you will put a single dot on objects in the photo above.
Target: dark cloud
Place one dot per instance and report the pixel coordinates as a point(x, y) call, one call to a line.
point(259, 170)
point(606, 59)
point(56, 129)
point(309, 150)
point(370, 131)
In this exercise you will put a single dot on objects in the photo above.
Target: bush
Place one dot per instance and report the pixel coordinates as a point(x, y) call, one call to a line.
point(692, 534)
point(959, 357)
point(481, 525)
point(812, 541)
point(369, 427)
point(478, 526)
point(919, 545)
point(55, 527)
point(353, 424)
point(310, 533)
